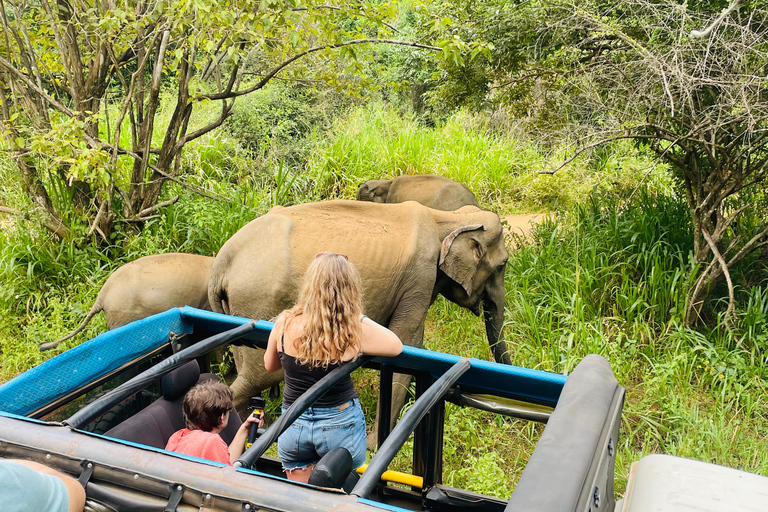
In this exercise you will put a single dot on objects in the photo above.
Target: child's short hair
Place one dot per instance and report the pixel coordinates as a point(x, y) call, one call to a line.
point(205, 403)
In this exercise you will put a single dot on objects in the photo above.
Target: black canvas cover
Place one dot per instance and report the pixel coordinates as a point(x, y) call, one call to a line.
point(571, 468)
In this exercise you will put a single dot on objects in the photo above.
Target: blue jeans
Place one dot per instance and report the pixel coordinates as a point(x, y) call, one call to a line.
point(318, 431)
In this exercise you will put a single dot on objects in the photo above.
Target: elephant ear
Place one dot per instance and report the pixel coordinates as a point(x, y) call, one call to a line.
point(460, 255)
point(378, 190)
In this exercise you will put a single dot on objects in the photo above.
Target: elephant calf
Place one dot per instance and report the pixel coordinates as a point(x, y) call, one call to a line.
point(147, 286)
point(430, 190)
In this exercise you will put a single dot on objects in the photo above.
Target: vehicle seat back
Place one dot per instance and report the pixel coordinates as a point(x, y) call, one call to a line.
point(154, 425)
point(334, 470)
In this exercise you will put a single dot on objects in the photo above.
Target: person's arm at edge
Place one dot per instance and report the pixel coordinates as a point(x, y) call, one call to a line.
point(74, 489)
point(271, 359)
point(377, 340)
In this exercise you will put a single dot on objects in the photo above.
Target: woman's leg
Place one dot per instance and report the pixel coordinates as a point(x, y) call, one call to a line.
point(295, 449)
point(300, 474)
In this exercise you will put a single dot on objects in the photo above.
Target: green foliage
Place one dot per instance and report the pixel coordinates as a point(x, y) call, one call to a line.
point(277, 124)
point(82, 111)
point(493, 158)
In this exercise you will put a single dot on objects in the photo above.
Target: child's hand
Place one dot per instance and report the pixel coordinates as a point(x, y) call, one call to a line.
point(254, 419)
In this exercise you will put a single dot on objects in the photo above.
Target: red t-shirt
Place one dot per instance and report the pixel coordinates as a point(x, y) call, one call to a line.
point(199, 443)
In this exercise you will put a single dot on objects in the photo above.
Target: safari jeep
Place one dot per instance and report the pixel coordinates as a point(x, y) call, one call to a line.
point(103, 411)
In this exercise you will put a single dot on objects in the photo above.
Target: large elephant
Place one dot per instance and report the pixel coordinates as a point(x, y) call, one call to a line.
point(149, 285)
point(406, 254)
point(430, 190)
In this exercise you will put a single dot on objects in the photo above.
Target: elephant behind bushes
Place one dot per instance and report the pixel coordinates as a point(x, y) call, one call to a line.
point(430, 190)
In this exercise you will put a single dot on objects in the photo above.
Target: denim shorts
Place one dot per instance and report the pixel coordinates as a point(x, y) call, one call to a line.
point(319, 430)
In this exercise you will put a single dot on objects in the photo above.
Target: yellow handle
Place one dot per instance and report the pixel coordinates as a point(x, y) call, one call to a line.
point(397, 477)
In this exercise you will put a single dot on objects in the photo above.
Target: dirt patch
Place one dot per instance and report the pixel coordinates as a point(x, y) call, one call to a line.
point(520, 225)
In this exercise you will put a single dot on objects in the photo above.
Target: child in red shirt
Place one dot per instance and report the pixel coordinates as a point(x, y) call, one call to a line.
point(206, 410)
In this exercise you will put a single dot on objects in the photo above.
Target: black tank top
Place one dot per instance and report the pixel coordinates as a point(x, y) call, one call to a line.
point(300, 377)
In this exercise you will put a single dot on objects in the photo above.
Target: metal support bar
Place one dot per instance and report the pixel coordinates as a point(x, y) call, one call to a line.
point(385, 402)
point(428, 439)
point(423, 381)
point(296, 409)
point(405, 426)
point(435, 429)
point(506, 406)
point(142, 380)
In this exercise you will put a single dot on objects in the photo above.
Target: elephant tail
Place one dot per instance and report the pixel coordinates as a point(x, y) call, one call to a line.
point(217, 295)
point(94, 309)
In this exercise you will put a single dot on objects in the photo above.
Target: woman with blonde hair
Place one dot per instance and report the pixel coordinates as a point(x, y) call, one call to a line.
point(325, 329)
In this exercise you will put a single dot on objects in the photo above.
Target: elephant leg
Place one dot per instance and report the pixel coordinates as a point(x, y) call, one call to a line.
point(412, 334)
point(252, 378)
point(400, 384)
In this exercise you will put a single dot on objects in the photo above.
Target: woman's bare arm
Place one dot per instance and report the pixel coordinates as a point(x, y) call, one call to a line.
point(377, 340)
point(271, 359)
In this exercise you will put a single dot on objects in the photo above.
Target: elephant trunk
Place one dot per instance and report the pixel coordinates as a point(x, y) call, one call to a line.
point(493, 312)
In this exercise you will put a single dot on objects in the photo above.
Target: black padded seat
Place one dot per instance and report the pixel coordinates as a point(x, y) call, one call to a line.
point(154, 425)
point(334, 470)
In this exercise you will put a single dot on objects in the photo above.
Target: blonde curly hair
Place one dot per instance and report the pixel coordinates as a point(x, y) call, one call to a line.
point(331, 302)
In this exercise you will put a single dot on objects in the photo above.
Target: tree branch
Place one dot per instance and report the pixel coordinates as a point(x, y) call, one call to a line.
point(53, 224)
point(724, 269)
point(154, 208)
point(287, 62)
point(29, 83)
point(698, 34)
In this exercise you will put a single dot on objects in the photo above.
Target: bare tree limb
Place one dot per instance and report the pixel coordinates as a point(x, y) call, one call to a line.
point(53, 225)
point(287, 62)
point(95, 224)
point(699, 34)
point(724, 269)
point(29, 83)
point(147, 211)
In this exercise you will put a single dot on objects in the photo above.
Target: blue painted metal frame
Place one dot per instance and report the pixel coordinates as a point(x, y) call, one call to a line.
point(493, 377)
point(88, 361)
point(217, 322)
point(94, 358)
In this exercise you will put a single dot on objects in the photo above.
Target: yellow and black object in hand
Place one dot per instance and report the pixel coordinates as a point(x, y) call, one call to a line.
point(257, 406)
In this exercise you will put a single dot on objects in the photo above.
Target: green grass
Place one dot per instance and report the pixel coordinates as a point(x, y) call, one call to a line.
point(500, 167)
point(607, 275)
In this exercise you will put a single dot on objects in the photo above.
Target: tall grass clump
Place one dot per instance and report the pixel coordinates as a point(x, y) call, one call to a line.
point(624, 264)
point(498, 162)
point(376, 142)
point(612, 278)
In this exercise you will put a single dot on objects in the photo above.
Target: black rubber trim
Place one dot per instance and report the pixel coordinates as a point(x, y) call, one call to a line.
point(564, 466)
point(177, 492)
point(87, 473)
